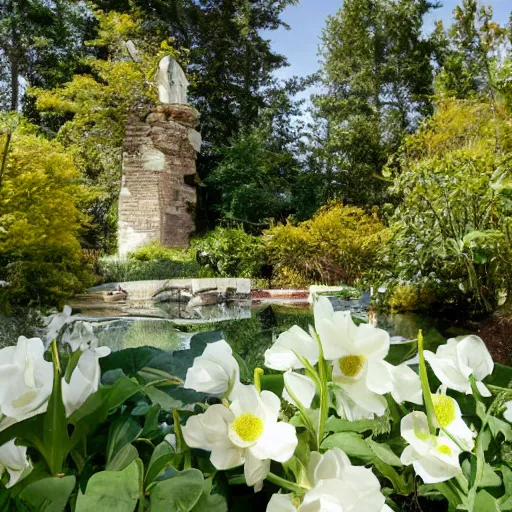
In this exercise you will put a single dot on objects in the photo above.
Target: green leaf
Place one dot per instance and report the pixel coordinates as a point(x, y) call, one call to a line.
point(384, 453)
point(115, 491)
point(484, 502)
point(181, 492)
point(210, 502)
point(49, 494)
point(401, 352)
point(498, 426)
point(351, 444)
point(334, 424)
point(123, 431)
point(162, 457)
point(123, 458)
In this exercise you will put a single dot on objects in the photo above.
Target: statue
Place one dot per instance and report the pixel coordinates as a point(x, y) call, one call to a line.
point(171, 81)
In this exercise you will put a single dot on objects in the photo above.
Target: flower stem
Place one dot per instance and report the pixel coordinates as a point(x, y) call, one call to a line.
point(258, 372)
point(425, 386)
point(324, 392)
point(286, 484)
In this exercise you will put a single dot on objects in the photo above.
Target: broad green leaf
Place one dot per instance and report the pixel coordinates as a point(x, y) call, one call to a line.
point(211, 503)
point(129, 360)
point(49, 494)
point(112, 491)
point(484, 502)
point(174, 398)
point(351, 444)
point(181, 492)
point(123, 458)
point(384, 453)
point(501, 376)
point(334, 424)
point(123, 430)
point(162, 456)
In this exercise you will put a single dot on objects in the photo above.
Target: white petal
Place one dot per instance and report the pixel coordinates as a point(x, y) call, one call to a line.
point(347, 408)
point(414, 429)
point(482, 388)
point(379, 377)
point(272, 404)
point(14, 459)
point(433, 470)
point(331, 464)
point(474, 357)
point(209, 429)
point(248, 400)
point(406, 385)
point(323, 309)
point(366, 495)
point(462, 433)
point(302, 387)
point(366, 398)
point(278, 442)
point(226, 456)
point(255, 471)
point(281, 355)
point(371, 342)
point(447, 372)
point(281, 503)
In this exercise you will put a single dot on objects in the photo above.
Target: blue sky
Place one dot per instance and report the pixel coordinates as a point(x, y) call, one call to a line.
point(300, 44)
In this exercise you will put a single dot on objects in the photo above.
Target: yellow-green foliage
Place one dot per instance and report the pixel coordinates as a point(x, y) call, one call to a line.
point(40, 195)
point(340, 244)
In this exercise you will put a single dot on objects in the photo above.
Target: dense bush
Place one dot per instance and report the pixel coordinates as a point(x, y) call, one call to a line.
point(40, 220)
point(340, 244)
point(231, 252)
point(452, 228)
point(152, 262)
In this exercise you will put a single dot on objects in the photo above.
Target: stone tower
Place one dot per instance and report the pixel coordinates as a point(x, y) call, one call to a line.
point(155, 203)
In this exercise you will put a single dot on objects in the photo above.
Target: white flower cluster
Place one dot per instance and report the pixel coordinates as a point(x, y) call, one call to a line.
point(352, 371)
point(27, 383)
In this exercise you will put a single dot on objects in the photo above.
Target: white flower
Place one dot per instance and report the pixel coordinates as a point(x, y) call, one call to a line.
point(14, 459)
point(347, 408)
point(54, 323)
point(406, 384)
point(26, 380)
point(245, 433)
point(85, 379)
point(302, 387)
point(454, 362)
point(283, 353)
point(357, 353)
point(81, 336)
point(434, 458)
point(216, 371)
point(508, 411)
point(337, 487)
point(449, 417)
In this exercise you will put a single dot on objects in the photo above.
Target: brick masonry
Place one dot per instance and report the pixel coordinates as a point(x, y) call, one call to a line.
point(155, 203)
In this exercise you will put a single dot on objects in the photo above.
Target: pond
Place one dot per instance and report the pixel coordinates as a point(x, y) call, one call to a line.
point(251, 335)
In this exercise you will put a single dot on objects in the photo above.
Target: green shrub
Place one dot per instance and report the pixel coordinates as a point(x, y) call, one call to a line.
point(40, 221)
point(452, 229)
point(231, 252)
point(340, 244)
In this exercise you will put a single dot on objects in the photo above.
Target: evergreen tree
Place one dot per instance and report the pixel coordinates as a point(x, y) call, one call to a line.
point(377, 77)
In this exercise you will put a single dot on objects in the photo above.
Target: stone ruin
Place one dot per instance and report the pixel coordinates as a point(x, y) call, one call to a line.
point(160, 147)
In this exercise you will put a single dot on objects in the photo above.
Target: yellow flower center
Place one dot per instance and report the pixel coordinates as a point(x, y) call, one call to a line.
point(444, 408)
point(248, 427)
point(350, 366)
point(444, 449)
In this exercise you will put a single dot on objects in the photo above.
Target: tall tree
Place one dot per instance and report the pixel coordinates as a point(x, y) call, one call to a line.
point(39, 42)
point(468, 51)
point(377, 78)
point(230, 64)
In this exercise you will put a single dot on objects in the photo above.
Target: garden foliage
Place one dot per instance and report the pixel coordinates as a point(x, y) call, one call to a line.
point(41, 199)
point(340, 244)
point(452, 227)
point(343, 421)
